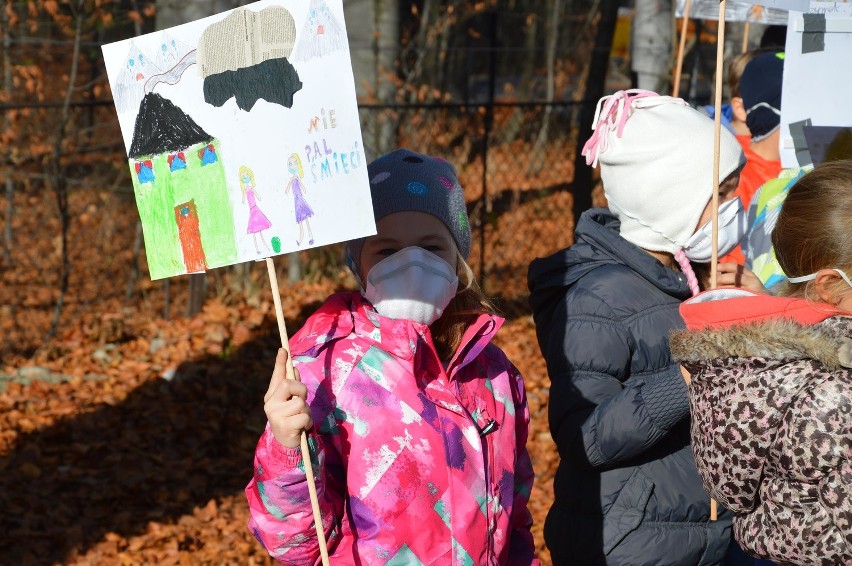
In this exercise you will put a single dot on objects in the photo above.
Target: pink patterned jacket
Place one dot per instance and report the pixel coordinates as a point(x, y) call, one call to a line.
point(414, 463)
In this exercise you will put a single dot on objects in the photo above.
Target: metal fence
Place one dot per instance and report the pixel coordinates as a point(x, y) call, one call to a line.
point(515, 163)
point(512, 134)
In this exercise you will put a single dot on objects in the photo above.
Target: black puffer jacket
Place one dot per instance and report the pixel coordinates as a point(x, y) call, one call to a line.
point(627, 490)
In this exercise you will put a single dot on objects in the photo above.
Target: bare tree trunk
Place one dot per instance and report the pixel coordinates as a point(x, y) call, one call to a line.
point(513, 126)
point(138, 239)
point(137, 23)
point(59, 181)
point(294, 267)
point(242, 280)
point(386, 56)
point(537, 162)
point(167, 298)
point(373, 30)
point(420, 43)
point(197, 293)
point(10, 185)
point(651, 44)
point(581, 188)
point(134, 264)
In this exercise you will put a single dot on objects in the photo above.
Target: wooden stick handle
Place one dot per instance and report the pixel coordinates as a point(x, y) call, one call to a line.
point(291, 374)
point(717, 143)
point(680, 50)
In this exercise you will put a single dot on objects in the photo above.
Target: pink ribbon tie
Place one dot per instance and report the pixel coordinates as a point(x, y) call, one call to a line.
point(612, 113)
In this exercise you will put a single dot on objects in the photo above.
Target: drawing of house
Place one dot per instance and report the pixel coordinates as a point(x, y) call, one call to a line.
point(181, 191)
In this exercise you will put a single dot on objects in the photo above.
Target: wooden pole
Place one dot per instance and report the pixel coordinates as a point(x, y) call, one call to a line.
point(746, 32)
point(717, 142)
point(680, 49)
point(306, 454)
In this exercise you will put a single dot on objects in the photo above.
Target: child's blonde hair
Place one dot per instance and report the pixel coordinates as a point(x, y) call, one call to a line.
point(300, 169)
point(735, 71)
point(470, 302)
point(245, 172)
point(814, 228)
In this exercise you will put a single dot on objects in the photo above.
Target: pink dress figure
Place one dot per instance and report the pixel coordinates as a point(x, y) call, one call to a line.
point(303, 210)
point(257, 222)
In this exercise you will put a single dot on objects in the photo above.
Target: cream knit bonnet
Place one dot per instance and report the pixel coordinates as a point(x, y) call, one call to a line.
point(656, 157)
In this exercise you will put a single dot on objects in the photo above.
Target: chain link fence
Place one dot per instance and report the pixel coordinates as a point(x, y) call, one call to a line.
point(72, 261)
point(515, 162)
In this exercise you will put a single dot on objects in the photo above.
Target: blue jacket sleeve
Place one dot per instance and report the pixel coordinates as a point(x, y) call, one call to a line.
point(600, 411)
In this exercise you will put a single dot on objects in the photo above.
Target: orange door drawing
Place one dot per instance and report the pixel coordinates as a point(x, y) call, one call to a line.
point(189, 232)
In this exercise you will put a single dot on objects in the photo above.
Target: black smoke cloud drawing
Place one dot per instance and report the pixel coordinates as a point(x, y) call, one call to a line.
point(244, 57)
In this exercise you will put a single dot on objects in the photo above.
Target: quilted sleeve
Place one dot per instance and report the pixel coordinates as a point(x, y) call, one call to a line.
point(281, 516)
point(596, 414)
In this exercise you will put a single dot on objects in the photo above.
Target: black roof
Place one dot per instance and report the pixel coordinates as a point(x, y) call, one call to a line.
point(162, 127)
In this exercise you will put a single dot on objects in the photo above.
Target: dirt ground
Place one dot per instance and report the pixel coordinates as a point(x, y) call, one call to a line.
point(128, 438)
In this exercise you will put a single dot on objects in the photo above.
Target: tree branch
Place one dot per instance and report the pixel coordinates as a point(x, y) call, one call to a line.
point(60, 184)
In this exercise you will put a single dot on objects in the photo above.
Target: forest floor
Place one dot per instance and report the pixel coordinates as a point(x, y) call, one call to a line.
point(128, 437)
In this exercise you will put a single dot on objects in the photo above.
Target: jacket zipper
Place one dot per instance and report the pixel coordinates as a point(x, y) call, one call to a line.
point(488, 454)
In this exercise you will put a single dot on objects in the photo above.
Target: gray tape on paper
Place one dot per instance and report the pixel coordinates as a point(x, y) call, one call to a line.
point(800, 143)
point(813, 36)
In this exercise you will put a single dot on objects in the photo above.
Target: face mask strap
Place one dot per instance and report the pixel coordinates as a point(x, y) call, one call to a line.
point(763, 105)
point(731, 216)
point(813, 276)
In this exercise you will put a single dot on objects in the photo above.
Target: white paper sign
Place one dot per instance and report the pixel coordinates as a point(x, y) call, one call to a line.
point(734, 12)
point(242, 134)
point(792, 5)
point(817, 84)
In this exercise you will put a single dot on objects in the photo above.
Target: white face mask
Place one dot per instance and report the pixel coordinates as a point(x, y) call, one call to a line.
point(733, 222)
point(412, 284)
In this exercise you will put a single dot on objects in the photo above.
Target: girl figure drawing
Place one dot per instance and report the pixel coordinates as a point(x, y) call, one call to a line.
point(257, 222)
point(303, 210)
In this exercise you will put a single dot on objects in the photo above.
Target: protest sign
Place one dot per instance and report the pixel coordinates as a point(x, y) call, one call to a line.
point(767, 12)
point(817, 85)
point(244, 142)
point(242, 135)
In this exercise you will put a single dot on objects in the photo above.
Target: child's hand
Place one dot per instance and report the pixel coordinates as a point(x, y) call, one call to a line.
point(285, 404)
point(731, 274)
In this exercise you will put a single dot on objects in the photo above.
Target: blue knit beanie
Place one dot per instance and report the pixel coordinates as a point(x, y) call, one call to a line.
point(403, 181)
point(760, 89)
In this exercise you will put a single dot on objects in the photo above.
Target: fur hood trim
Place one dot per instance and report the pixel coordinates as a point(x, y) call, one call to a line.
point(780, 339)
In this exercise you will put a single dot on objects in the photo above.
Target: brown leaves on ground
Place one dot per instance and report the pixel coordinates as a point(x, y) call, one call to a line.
point(128, 438)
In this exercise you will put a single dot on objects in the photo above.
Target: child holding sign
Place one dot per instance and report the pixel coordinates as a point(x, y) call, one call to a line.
point(771, 386)
point(417, 421)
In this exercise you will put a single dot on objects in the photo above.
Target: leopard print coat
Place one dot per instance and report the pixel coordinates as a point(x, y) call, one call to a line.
point(772, 433)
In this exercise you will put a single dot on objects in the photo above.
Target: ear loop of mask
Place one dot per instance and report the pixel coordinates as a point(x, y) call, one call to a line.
point(763, 105)
point(813, 276)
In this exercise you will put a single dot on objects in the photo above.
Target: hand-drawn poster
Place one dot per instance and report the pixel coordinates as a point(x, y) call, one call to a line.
point(817, 85)
point(242, 135)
